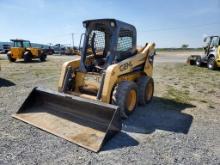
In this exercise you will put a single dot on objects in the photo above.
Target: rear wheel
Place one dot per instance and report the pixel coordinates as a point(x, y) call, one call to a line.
point(125, 96)
point(211, 63)
point(27, 57)
point(10, 58)
point(145, 90)
point(43, 57)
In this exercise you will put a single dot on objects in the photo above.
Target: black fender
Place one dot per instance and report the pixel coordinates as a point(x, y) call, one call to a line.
point(27, 56)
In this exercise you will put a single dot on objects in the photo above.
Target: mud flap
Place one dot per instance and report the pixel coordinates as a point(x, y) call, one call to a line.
point(82, 121)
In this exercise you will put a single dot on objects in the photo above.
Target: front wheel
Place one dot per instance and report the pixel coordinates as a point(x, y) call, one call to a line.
point(211, 64)
point(125, 96)
point(10, 58)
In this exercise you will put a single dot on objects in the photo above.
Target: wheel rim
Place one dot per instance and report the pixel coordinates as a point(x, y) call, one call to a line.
point(149, 91)
point(131, 100)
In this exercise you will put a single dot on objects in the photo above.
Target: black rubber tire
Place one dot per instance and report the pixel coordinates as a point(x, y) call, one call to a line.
point(43, 57)
point(120, 96)
point(211, 64)
point(10, 58)
point(198, 61)
point(191, 62)
point(27, 57)
point(144, 83)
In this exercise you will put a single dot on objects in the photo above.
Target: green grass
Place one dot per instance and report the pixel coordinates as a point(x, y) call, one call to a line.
point(181, 96)
point(186, 84)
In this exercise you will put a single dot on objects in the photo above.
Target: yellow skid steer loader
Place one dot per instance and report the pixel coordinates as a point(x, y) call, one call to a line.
point(95, 90)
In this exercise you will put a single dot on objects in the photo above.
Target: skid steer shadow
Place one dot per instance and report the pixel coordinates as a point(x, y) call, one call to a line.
point(160, 114)
point(32, 61)
point(6, 83)
point(120, 140)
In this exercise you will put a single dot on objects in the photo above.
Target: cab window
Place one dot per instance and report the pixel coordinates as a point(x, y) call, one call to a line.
point(215, 42)
point(26, 44)
point(124, 41)
point(99, 41)
point(17, 44)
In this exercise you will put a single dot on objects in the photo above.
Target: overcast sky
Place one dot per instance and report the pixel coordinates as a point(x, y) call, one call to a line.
point(169, 23)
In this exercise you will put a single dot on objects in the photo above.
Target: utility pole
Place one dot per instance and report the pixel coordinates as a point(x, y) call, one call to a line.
point(73, 39)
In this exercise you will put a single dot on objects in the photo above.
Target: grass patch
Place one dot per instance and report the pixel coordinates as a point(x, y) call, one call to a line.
point(177, 95)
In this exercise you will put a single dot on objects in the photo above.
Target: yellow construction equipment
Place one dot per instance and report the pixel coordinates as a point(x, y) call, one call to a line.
point(211, 56)
point(95, 90)
point(218, 56)
point(22, 49)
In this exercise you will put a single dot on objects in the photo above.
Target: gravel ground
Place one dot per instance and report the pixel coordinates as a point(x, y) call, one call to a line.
point(180, 126)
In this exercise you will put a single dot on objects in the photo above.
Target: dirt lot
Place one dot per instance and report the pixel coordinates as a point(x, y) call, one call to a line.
point(180, 126)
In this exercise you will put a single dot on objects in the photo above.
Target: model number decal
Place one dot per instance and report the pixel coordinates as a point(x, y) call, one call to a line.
point(125, 66)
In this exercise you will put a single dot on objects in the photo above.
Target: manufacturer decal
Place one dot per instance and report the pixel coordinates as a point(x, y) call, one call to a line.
point(125, 66)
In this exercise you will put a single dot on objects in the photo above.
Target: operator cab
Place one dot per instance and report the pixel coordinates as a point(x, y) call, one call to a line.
point(211, 43)
point(215, 42)
point(110, 41)
point(21, 43)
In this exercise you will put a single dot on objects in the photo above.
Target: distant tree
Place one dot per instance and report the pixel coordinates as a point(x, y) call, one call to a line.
point(184, 46)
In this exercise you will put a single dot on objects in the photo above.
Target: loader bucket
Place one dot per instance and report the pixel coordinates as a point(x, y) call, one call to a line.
point(82, 121)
